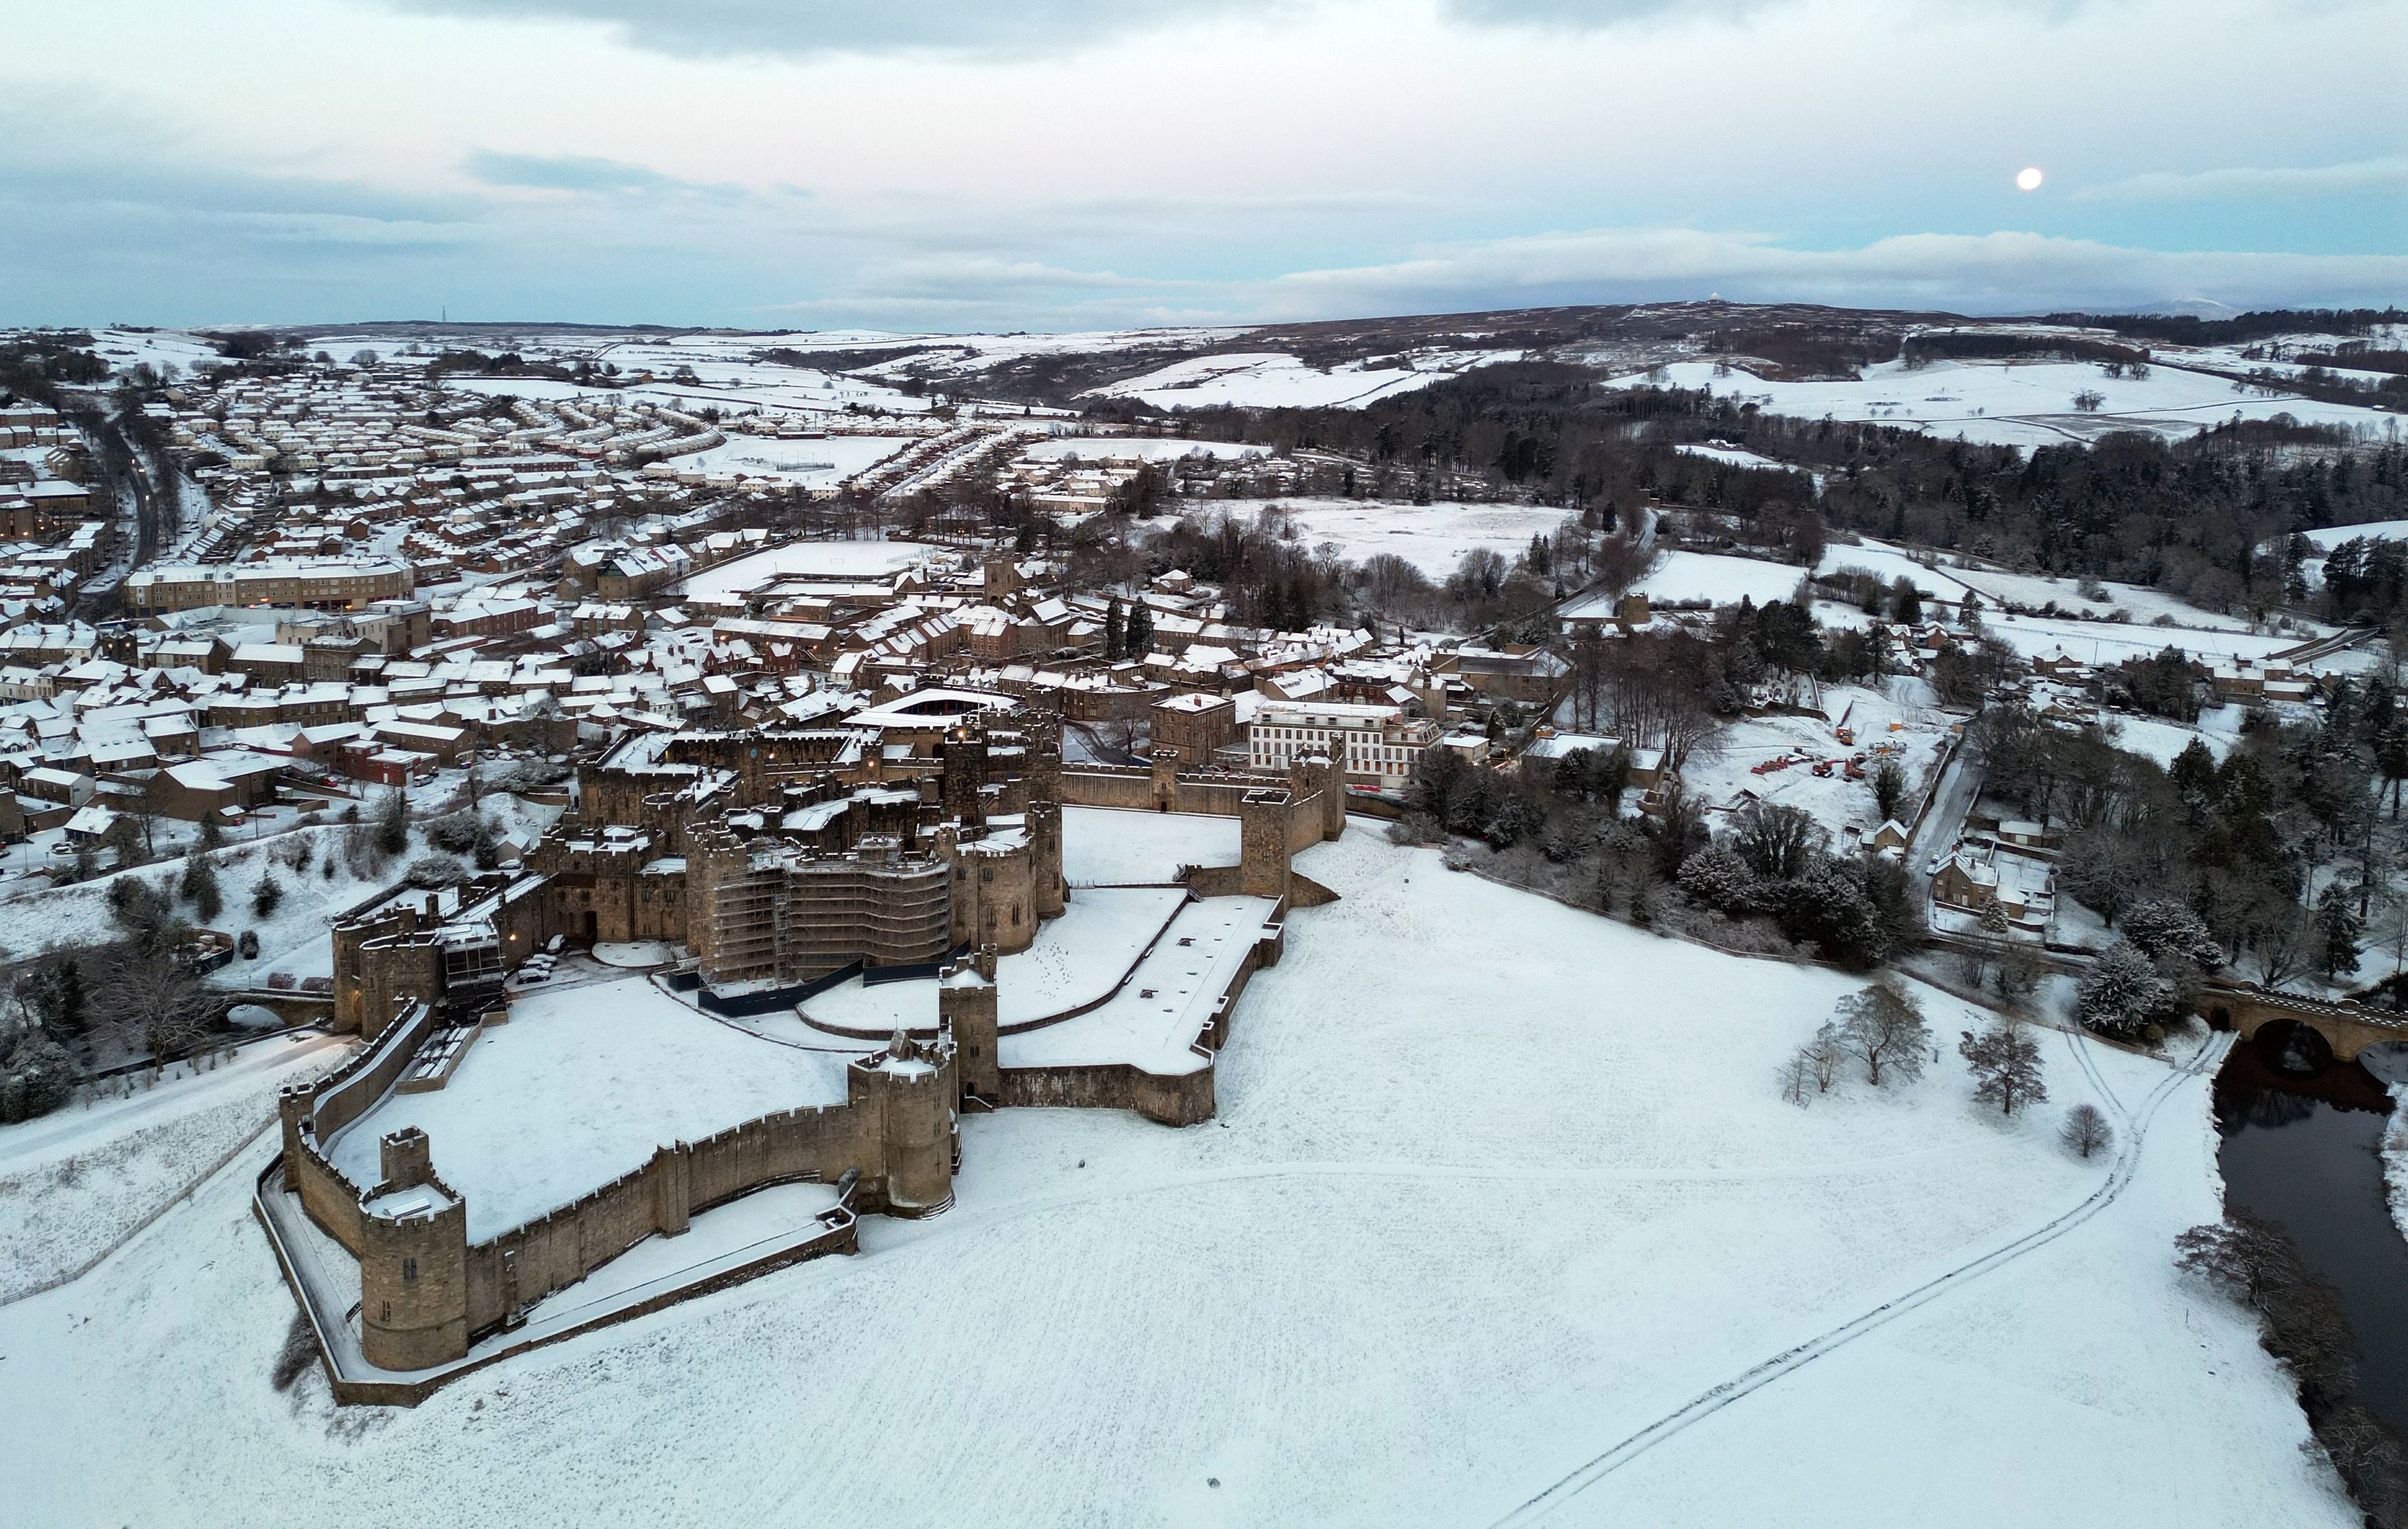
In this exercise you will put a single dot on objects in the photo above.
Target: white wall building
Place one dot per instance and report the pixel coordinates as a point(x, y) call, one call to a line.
point(1377, 746)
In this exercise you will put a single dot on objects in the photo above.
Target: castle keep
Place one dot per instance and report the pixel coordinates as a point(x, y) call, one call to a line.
point(775, 859)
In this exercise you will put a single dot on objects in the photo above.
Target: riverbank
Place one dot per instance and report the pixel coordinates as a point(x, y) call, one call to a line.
point(2395, 1159)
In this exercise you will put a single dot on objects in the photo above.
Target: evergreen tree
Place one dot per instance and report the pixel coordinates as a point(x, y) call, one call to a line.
point(2005, 1063)
point(1139, 640)
point(69, 989)
point(266, 894)
point(2121, 994)
point(392, 822)
point(2338, 931)
point(1115, 644)
point(199, 886)
point(2194, 773)
point(1889, 787)
point(212, 835)
point(1906, 601)
point(2166, 929)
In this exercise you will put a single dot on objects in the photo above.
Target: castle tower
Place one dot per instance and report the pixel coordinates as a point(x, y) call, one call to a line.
point(1045, 857)
point(1043, 730)
point(966, 1004)
point(914, 1096)
point(1309, 774)
point(964, 777)
point(1165, 782)
point(1262, 844)
point(413, 1261)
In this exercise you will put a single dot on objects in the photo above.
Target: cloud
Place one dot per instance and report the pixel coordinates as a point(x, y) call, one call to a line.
point(2387, 177)
point(2004, 273)
point(566, 172)
point(720, 28)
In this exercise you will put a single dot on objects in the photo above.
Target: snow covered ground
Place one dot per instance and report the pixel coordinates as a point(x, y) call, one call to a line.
point(1275, 380)
point(580, 1086)
point(74, 1181)
point(2112, 642)
point(1840, 804)
point(2026, 404)
point(1138, 449)
point(812, 464)
point(1431, 536)
point(1496, 1186)
point(2160, 739)
point(1075, 959)
point(1153, 1022)
point(125, 349)
point(1721, 580)
point(1109, 844)
point(821, 559)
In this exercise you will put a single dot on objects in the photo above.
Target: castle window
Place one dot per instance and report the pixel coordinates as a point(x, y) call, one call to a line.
point(408, 1269)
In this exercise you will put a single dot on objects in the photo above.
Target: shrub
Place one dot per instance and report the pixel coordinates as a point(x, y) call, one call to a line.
point(435, 870)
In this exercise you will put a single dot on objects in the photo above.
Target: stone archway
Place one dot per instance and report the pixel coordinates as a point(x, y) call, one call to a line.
point(2293, 1046)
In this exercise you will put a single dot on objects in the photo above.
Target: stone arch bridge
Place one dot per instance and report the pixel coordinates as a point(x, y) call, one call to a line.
point(2348, 1028)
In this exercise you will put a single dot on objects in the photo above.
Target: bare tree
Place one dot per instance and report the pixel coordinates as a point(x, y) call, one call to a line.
point(1777, 842)
point(155, 995)
point(1797, 1077)
point(1823, 1056)
point(2086, 1129)
point(2005, 1064)
point(1881, 1025)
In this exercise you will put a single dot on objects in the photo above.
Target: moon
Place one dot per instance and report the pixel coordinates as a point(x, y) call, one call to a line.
point(2028, 179)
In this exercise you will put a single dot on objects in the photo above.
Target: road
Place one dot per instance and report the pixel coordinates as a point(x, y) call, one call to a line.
point(1959, 784)
point(80, 1127)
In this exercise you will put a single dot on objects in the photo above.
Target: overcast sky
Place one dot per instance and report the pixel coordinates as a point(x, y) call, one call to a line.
point(1089, 163)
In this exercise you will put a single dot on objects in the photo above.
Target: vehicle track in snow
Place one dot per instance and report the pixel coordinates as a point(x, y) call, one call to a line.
point(1789, 1361)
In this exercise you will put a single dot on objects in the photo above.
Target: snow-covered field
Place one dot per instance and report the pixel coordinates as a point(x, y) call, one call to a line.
point(1951, 579)
point(2112, 642)
point(1275, 380)
point(1496, 1186)
point(2330, 537)
point(1110, 845)
point(74, 1181)
point(1138, 449)
point(1431, 536)
point(125, 349)
point(1714, 577)
point(2024, 404)
point(812, 464)
point(2160, 739)
point(817, 560)
point(1717, 775)
point(579, 1087)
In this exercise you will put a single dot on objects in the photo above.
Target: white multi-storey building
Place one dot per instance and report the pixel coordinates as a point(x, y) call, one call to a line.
point(1377, 746)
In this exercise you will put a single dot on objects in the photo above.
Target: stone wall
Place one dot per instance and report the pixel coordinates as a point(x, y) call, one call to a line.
point(310, 1113)
point(1183, 1099)
point(1130, 787)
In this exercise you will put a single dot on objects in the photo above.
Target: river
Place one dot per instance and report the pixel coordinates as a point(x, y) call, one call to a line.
point(2306, 1152)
